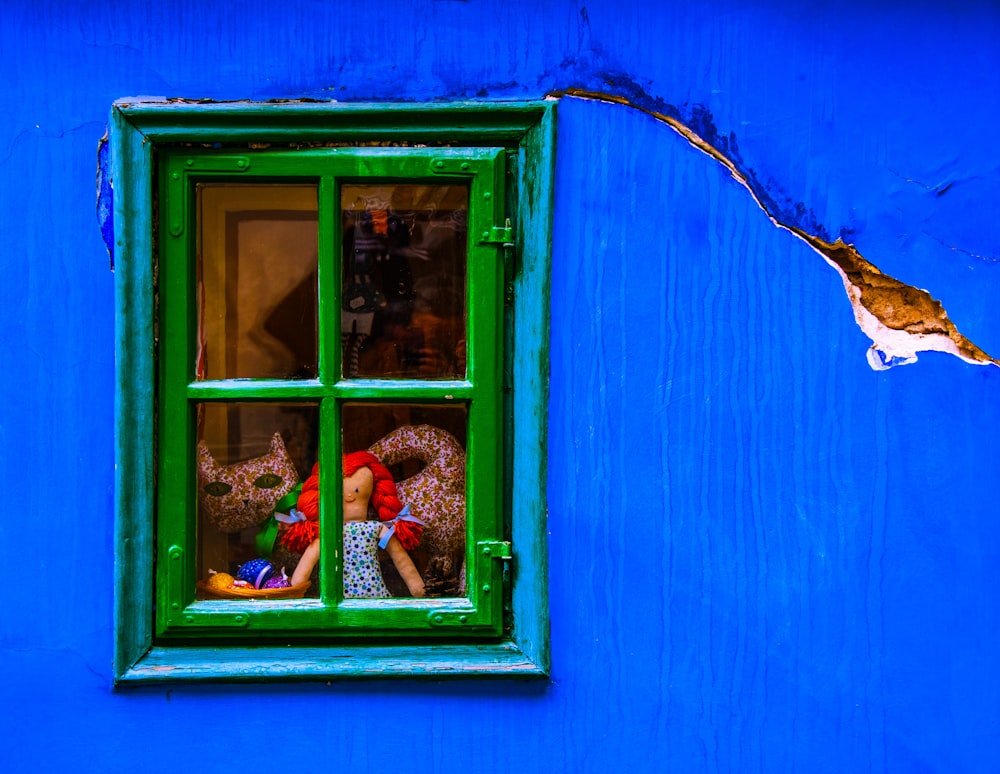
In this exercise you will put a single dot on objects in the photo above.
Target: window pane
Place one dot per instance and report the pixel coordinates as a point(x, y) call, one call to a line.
point(250, 458)
point(404, 263)
point(257, 281)
point(423, 448)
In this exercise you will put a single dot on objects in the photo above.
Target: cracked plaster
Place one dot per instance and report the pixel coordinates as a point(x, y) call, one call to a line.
point(899, 319)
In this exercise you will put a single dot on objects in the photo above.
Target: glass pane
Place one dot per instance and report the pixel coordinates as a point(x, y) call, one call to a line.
point(422, 449)
point(249, 460)
point(404, 263)
point(257, 251)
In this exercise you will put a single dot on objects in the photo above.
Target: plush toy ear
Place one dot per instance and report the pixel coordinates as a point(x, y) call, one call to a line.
point(206, 462)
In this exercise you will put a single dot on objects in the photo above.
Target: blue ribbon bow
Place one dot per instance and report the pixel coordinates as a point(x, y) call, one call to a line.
point(291, 517)
point(403, 515)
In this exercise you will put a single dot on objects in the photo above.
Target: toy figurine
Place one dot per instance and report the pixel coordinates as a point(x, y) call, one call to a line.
point(365, 480)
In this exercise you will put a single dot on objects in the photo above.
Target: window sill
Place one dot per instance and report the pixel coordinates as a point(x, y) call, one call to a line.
point(253, 664)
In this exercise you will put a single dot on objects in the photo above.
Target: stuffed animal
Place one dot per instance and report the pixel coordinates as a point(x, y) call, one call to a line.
point(241, 495)
point(436, 496)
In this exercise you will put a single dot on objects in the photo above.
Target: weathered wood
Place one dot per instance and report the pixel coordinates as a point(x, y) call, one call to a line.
point(131, 172)
point(174, 665)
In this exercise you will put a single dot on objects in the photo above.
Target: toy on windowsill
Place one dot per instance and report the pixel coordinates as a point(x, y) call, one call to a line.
point(239, 496)
point(221, 585)
point(256, 572)
point(365, 480)
point(218, 581)
point(278, 581)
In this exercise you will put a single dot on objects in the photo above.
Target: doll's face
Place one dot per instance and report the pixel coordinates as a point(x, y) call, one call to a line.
point(357, 493)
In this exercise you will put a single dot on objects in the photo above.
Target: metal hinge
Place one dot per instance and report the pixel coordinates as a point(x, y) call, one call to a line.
point(499, 235)
point(503, 236)
point(496, 549)
point(490, 595)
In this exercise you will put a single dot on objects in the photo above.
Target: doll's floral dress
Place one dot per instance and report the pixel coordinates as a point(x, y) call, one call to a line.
point(362, 576)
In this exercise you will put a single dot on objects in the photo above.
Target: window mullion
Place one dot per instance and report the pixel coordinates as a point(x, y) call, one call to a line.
point(329, 274)
point(331, 515)
point(328, 277)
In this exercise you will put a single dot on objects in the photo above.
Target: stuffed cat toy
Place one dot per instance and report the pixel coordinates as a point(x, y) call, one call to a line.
point(436, 495)
point(243, 494)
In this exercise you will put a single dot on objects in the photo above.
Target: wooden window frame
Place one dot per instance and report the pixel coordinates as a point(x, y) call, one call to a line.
point(139, 130)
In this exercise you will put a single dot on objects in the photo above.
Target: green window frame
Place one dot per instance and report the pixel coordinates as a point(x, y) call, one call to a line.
point(160, 152)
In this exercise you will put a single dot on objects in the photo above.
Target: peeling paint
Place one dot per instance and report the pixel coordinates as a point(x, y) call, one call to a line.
point(900, 320)
point(105, 198)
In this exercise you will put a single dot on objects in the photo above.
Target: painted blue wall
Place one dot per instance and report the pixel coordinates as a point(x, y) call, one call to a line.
point(764, 556)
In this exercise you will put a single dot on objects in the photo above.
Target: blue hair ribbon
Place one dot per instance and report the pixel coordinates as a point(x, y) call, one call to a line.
point(291, 517)
point(403, 515)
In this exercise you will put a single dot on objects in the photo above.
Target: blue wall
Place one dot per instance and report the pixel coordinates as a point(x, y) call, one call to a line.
point(763, 554)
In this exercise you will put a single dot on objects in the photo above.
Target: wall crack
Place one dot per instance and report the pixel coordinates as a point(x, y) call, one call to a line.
point(899, 319)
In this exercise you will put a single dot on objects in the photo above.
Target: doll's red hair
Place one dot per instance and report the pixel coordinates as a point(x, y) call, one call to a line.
point(384, 500)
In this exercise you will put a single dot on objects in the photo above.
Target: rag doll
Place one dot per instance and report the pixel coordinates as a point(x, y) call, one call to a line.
point(365, 480)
